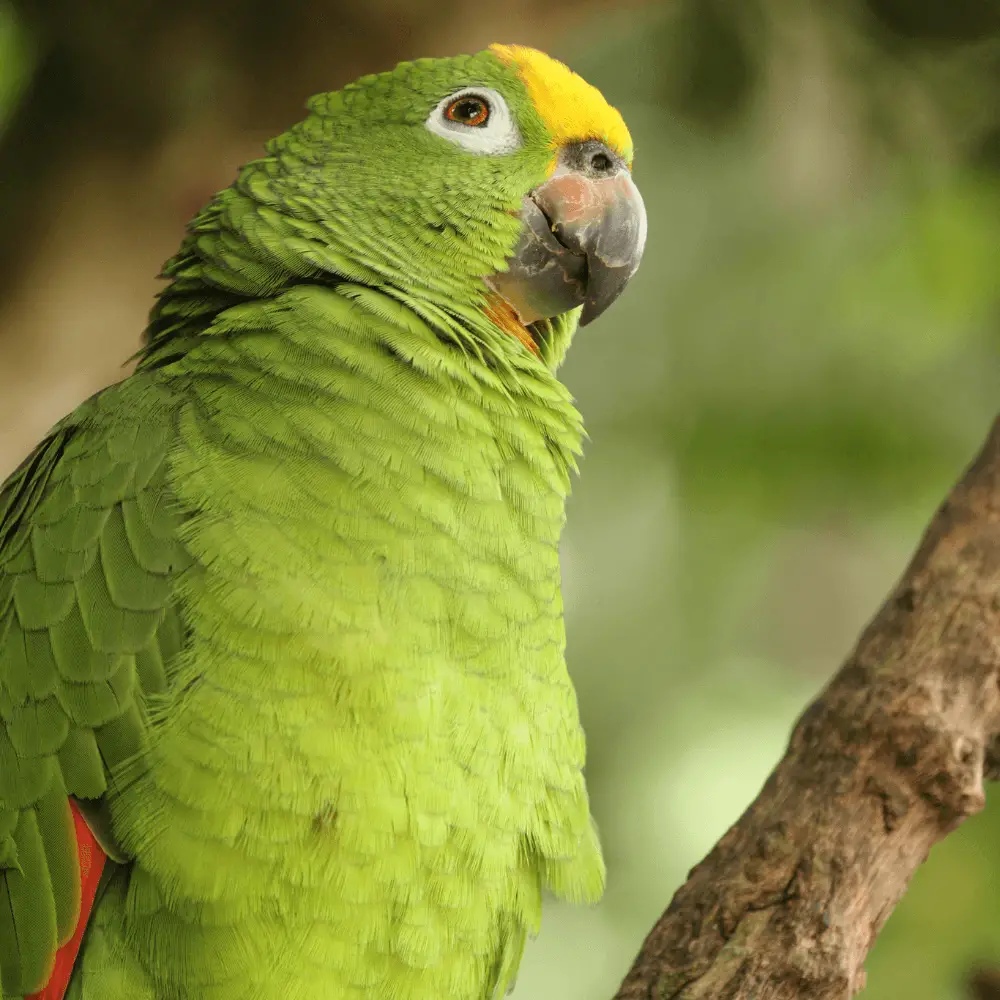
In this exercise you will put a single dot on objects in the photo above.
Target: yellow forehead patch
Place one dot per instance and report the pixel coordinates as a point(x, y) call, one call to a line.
point(572, 109)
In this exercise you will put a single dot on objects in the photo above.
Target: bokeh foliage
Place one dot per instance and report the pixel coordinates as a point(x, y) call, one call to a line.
point(801, 369)
point(15, 60)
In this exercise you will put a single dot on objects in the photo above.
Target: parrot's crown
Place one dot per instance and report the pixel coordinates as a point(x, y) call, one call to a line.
point(573, 109)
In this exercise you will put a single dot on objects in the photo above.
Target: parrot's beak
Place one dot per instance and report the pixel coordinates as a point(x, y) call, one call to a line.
point(582, 238)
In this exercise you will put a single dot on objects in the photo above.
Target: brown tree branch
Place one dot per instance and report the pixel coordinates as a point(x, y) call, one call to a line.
point(884, 764)
point(984, 984)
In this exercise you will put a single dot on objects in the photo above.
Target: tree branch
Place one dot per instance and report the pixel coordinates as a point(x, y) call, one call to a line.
point(884, 764)
point(984, 984)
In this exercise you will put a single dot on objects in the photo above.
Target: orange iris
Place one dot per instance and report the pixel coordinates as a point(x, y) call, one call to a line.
point(468, 110)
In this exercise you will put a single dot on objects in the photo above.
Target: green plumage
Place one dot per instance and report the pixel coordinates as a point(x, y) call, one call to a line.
point(284, 606)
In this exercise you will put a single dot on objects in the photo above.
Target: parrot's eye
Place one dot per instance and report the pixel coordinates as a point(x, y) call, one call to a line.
point(476, 119)
point(469, 110)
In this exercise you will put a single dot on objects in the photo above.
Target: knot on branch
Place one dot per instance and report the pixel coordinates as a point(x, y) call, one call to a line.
point(902, 750)
point(942, 766)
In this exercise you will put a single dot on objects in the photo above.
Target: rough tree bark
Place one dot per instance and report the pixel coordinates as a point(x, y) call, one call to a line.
point(885, 763)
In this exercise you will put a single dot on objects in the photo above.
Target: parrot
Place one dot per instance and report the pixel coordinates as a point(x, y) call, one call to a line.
point(284, 704)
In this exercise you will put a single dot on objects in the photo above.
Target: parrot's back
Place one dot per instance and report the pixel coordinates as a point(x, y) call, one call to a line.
point(306, 674)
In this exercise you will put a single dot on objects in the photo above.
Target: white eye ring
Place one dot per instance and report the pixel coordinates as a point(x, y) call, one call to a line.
point(498, 134)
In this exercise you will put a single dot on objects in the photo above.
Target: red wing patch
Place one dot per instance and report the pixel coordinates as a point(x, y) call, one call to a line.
point(91, 859)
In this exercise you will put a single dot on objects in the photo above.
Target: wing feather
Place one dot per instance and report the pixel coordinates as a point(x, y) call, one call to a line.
point(89, 555)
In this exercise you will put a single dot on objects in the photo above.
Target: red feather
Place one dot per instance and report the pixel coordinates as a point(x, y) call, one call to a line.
point(91, 860)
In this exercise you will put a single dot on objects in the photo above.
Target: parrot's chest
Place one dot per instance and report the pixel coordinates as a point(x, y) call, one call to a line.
point(375, 763)
point(404, 676)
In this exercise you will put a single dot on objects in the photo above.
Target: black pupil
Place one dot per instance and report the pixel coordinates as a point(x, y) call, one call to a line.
point(467, 110)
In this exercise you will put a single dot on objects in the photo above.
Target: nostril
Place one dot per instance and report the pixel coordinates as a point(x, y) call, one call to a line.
point(600, 163)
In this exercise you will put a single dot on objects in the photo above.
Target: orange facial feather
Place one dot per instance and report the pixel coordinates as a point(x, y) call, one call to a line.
point(504, 316)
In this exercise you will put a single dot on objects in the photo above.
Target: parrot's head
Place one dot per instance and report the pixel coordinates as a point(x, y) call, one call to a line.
point(499, 181)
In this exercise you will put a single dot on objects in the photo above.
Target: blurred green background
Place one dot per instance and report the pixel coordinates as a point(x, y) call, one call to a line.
point(802, 367)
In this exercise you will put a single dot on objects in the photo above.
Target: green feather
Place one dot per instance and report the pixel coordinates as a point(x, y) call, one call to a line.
point(34, 920)
point(81, 764)
point(55, 827)
point(40, 605)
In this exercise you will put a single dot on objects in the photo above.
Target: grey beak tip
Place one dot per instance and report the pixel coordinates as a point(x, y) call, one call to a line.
point(604, 285)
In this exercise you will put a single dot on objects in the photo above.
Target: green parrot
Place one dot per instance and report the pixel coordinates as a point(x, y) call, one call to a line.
point(284, 710)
